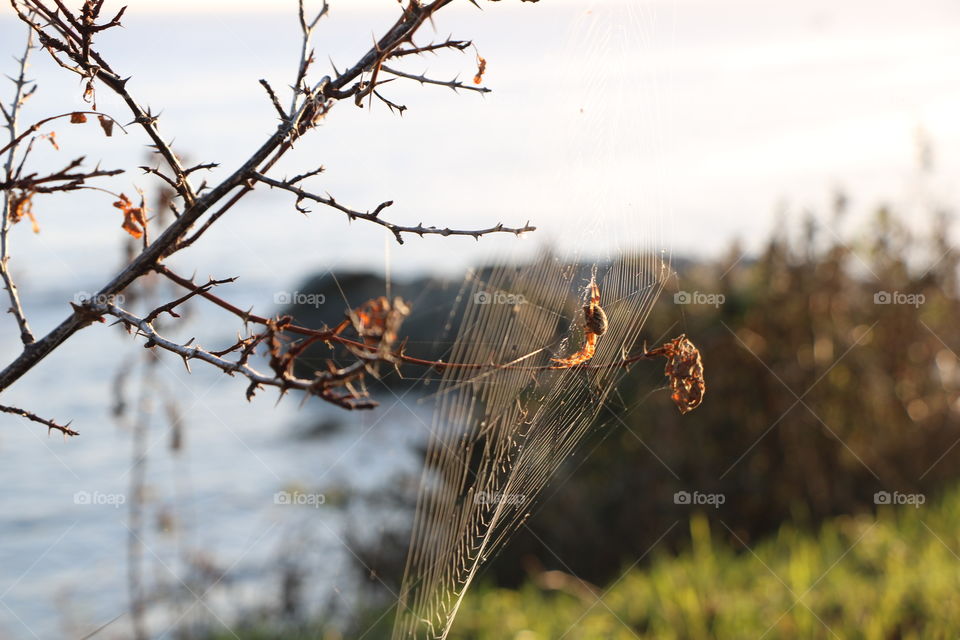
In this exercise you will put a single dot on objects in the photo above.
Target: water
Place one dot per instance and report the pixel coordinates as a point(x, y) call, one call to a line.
point(63, 533)
point(700, 117)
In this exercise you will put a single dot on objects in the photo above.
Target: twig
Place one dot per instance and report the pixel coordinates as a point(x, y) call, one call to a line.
point(374, 216)
point(323, 385)
point(454, 84)
point(50, 424)
point(306, 55)
point(91, 65)
point(69, 181)
point(170, 306)
point(36, 126)
point(274, 100)
point(450, 43)
point(12, 116)
point(303, 176)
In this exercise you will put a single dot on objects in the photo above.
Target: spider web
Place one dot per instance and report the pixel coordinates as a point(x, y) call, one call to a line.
point(500, 430)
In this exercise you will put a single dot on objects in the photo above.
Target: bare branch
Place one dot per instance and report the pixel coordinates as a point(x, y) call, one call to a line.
point(325, 384)
point(306, 54)
point(274, 100)
point(454, 84)
point(68, 38)
point(450, 43)
point(90, 65)
point(374, 216)
point(303, 176)
point(36, 126)
point(393, 106)
point(69, 180)
point(50, 424)
point(19, 97)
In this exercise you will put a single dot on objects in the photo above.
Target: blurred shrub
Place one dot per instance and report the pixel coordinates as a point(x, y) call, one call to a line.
point(858, 577)
point(831, 375)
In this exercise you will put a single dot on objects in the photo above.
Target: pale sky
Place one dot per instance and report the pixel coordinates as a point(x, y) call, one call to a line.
point(169, 6)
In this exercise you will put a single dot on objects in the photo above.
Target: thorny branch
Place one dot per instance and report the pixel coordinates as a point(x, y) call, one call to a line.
point(454, 84)
point(449, 43)
point(68, 37)
point(76, 116)
point(20, 95)
point(50, 424)
point(672, 350)
point(374, 216)
point(328, 385)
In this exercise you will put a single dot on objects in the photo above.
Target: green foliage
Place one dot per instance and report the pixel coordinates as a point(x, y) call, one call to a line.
point(892, 576)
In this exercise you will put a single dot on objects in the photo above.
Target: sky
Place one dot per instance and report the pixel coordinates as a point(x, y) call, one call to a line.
point(271, 6)
point(700, 122)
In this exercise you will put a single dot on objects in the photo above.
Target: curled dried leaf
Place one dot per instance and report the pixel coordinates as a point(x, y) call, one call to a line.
point(52, 137)
point(106, 124)
point(481, 69)
point(134, 218)
point(684, 370)
point(21, 206)
point(77, 118)
point(377, 321)
point(89, 93)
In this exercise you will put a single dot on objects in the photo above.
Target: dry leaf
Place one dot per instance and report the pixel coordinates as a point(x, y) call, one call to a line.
point(22, 206)
point(134, 218)
point(89, 94)
point(685, 371)
point(77, 118)
point(481, 69)
point(106, 124)
point(52, 137)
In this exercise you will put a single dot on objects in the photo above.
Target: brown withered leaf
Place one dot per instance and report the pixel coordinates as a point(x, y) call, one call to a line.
point(52, 137)
point(378, 320)
point(106, 124)
point(22, 206)
point(134, 218)
point(89, 93)
point(481, 69)
point(684, 370)
point(77, 118)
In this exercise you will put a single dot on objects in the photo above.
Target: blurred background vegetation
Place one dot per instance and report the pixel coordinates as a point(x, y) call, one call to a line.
point(818, 396)
point(831, 376)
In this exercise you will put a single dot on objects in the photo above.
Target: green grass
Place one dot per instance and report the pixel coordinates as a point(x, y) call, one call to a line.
point(895, 575)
